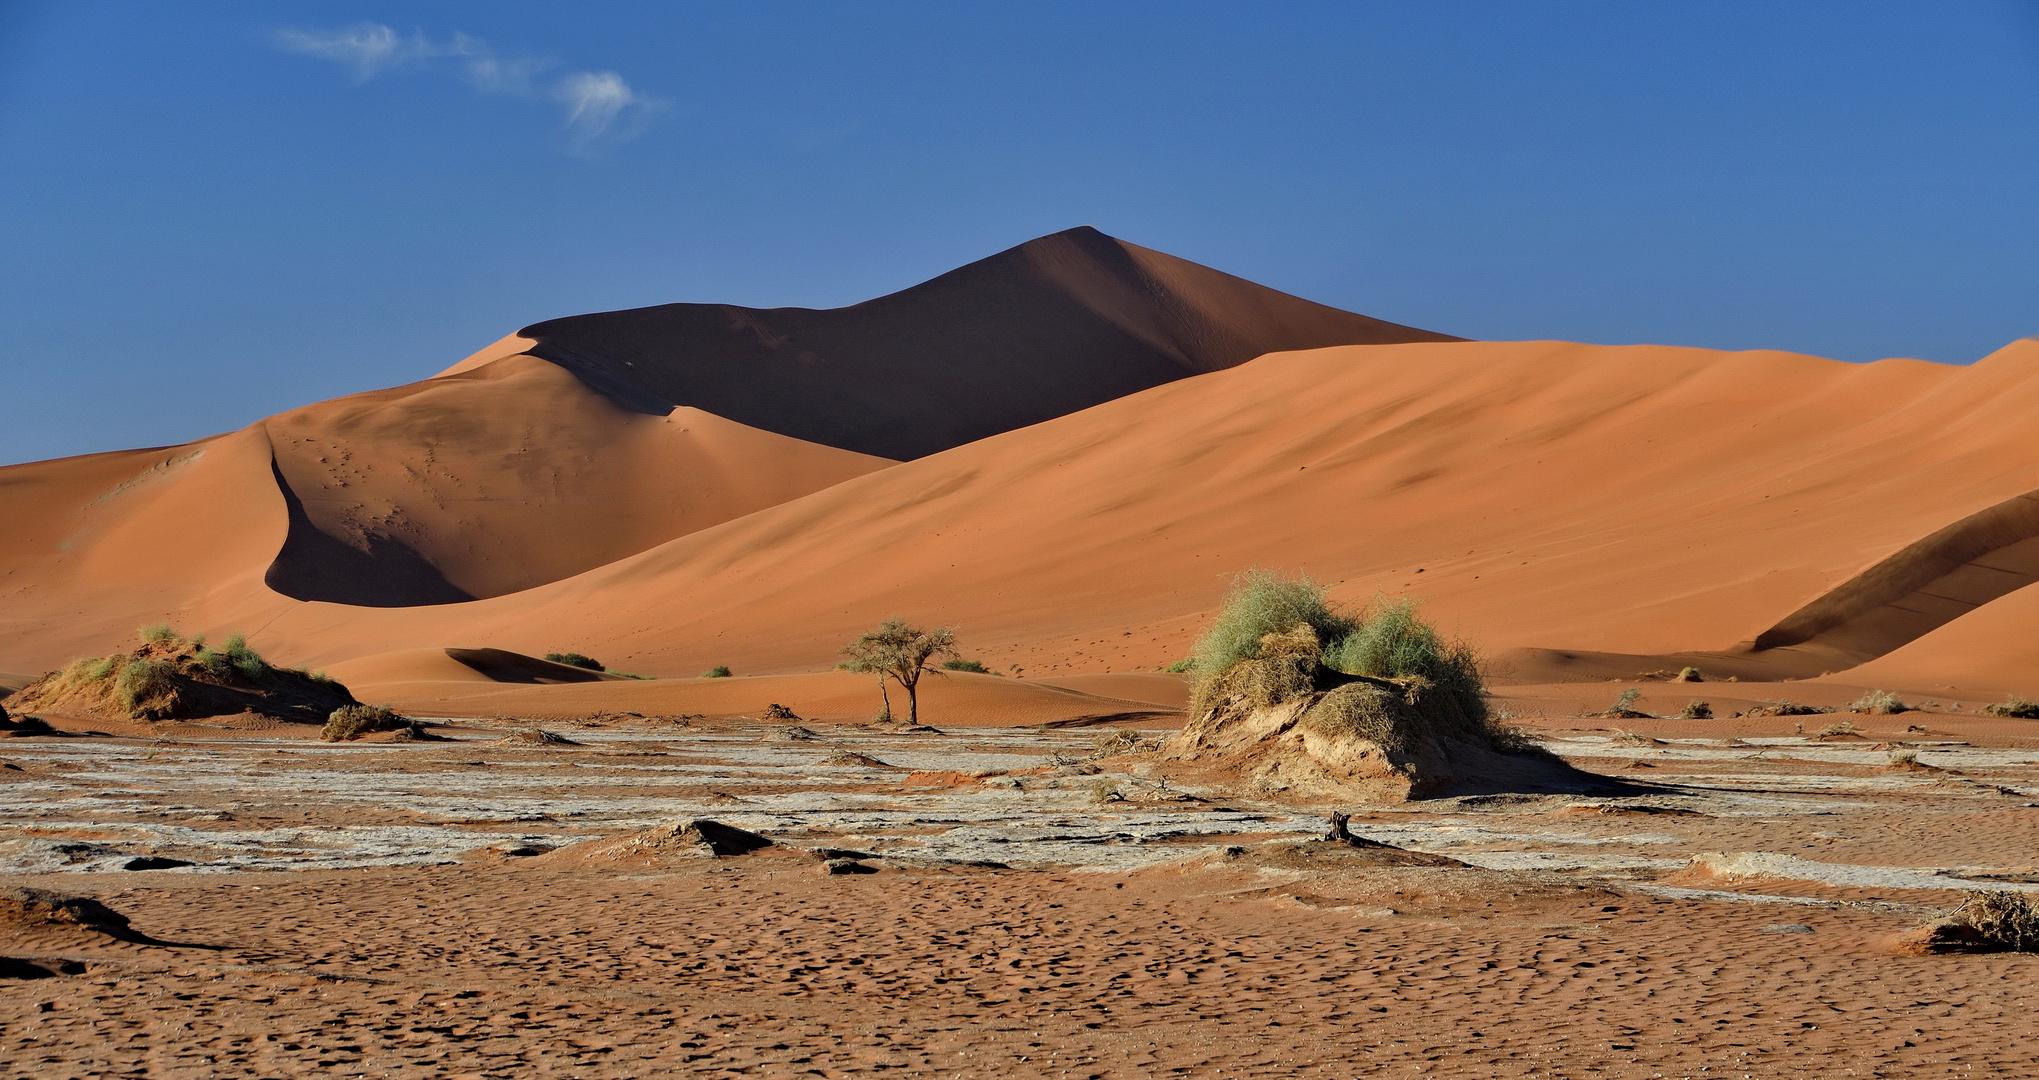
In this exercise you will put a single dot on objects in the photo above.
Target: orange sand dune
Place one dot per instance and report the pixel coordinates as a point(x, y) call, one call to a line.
point(507, 475)
point(1582, 511)
point(1637, 500)
point(499, 477)
point(1052, 326)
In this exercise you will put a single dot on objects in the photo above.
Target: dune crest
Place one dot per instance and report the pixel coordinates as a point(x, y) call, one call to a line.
point(1047, 328)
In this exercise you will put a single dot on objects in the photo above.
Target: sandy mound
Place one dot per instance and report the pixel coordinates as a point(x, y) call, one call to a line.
point(1055, 325)
point(699, 838)
point(37, 909)
point(181, 680)
point(1287, 726)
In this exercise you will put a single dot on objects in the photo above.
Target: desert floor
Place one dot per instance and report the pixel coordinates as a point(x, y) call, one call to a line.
point(1035, 904)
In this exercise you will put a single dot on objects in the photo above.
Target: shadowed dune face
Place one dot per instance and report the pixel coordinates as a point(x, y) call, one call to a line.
point(507, 475)
point(1926, 585)
point(1050, 327)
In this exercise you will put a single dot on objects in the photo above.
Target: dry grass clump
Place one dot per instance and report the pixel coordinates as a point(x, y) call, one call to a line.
point(534, 737)
point(2014, 707)
point(1904, 758)
point(350, 722)
point(1689, 674)
point(1835, 731)
point(2008, 920)
point(1696, 710)
point(1119, 741)
point(1786, 707)
point(161, 635)
point(1880, 703)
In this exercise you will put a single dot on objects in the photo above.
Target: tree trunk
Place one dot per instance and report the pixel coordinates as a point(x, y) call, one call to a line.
point(912, 698)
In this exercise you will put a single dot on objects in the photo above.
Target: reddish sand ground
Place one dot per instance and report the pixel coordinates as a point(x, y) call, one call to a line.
point(768, 969)
point(1215, 960)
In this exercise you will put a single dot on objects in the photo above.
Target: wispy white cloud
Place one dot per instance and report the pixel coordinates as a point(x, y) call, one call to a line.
point(597, 102)
point(593, 100)
point(368, 47)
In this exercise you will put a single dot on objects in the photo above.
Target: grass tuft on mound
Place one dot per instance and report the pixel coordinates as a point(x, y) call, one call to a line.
point(574, 659)
point(146, 687)
point(1263, 602)
point(1387, 640)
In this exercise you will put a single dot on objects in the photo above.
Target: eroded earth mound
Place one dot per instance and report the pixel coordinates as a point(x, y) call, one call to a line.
point(1286, 725)
point(182, 680)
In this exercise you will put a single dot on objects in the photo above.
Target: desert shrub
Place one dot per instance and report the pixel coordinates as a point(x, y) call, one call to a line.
point(160, 635)
point(2003, 918)
point(242, 658)
point(1389, 641)
point(1904, 758)
point(353, 721)
point(146, 688)
point(2015, 707)
point(1696, 710)
point(957, 663)
point(1690, 674)
point(719, 671)
point(1880, 702)
point(574, 659)
point(1104, 791)
point(1624, 706)
point(1263, 602)
point(1831, 731)
point(1180, 666)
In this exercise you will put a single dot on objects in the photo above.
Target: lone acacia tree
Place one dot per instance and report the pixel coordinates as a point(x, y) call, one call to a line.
point(899, 652)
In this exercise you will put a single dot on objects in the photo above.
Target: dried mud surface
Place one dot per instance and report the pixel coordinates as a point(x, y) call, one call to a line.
point(387, 909)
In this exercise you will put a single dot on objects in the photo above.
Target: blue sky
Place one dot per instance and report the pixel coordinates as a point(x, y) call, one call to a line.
point(214, 212)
